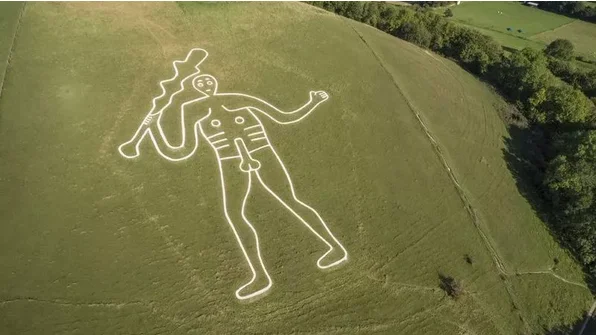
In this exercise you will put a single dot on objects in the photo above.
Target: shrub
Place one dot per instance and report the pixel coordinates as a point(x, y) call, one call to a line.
point(451, 286)
point(560, 48)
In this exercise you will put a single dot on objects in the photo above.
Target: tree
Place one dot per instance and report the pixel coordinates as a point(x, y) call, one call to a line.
point(440, 29)
point(534, 104)
point(564, 104)
point(354, 10)
point(476, 51)
point(372, 13)
point(574, 76)
point(587, 83)
point(571, 182)
point(392, 17)
point(433, 3)
point(571, 8)
point(575, 8)
point(414, 31)
point(560, 48)
point(523, 73)
point(448, 13)
point(562, 69)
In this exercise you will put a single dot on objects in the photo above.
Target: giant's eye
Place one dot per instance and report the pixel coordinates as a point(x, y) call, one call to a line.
point(200, 84)
point(209, 83)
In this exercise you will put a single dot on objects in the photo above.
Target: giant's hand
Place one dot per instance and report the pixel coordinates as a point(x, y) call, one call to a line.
point(130, 148)
point(318, 96)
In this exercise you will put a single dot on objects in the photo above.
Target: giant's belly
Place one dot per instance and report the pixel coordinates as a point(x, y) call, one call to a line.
point(221, 135)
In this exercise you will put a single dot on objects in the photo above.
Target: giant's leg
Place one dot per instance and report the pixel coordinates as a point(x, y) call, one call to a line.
point(275, 178)
point(234, 201)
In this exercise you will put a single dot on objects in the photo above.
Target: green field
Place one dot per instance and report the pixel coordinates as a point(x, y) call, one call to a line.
point(516, 16)
point(539, 27)
point(582, 34)
point(405, 162)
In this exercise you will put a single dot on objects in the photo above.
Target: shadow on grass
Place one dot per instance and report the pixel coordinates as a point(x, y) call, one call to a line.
point(509, 49)
point(526, 155)
point(574, 329)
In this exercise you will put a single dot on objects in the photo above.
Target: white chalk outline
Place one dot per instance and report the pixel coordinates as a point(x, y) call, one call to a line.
point(220, 141)
point(145, 129)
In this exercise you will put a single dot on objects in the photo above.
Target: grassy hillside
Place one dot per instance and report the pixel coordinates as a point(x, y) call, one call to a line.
point(8, 24)
point(405, 162)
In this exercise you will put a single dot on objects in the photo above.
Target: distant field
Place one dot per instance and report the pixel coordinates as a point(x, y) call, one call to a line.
point(515, 16)
point(406, 162)
point(581, 33)
point(506, 39)
point(538, 27)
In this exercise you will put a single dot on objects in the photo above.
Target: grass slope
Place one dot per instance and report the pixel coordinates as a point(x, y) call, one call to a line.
point(103, 245)
point(9, 15)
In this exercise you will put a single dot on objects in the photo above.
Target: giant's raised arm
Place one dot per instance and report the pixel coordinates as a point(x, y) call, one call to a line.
point(184, 71)
point(239, 101)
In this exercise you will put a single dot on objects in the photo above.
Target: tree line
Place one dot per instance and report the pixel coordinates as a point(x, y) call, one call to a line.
point(560, 53)
point(433, 3)
point(558, 110)
point(576, 9)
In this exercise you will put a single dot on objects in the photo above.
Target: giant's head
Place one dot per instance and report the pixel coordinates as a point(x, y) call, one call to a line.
point(205, 84)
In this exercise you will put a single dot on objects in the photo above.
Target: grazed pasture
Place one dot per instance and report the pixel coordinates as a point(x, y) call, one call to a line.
point(538, 27)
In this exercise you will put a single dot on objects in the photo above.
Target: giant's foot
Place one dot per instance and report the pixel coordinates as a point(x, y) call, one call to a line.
point(257, 286)
point(333, 257)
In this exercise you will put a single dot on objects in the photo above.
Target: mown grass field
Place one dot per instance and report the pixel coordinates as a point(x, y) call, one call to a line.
point(581, 33)
point(95, 244)
point(539, 27)
point(515, 15)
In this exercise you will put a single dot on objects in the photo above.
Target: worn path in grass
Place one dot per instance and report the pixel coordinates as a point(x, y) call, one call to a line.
point(472, 209)
point(10, 19)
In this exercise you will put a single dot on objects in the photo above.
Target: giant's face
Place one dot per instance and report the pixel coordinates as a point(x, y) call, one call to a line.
point(205, 83)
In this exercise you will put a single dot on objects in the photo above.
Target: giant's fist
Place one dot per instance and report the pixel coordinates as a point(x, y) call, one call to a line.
point(318, 96)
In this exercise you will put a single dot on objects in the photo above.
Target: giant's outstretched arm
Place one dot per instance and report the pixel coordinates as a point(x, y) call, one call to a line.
point(272, 112)
point(151, 128)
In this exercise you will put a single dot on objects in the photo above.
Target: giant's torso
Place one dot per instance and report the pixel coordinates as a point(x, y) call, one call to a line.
point(221, 127)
